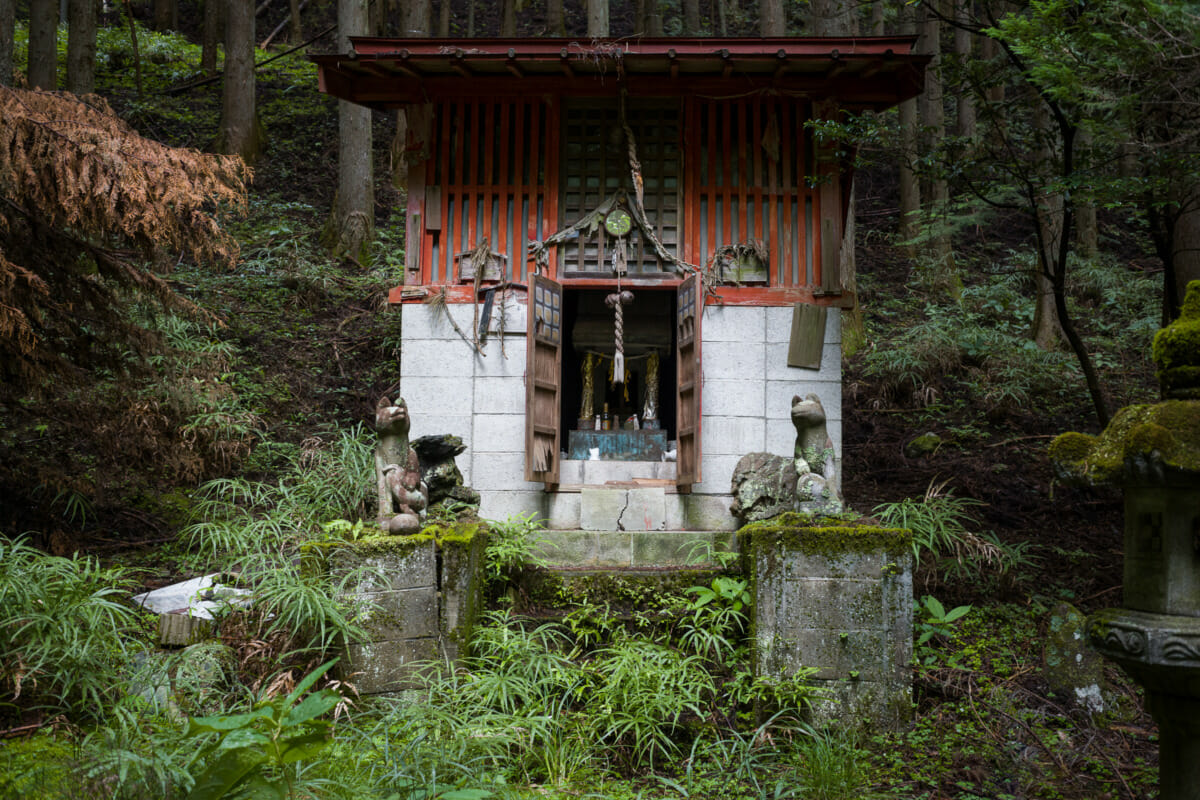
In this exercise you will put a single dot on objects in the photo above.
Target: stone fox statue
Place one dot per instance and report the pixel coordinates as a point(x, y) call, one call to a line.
point(402, 494)
point(816, 471)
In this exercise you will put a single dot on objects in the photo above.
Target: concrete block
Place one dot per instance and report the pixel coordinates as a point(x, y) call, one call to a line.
point(388, 563)
point(378, 667)
point(598, 473)
point(570, 471)
point(777, 368)
point(501, 472)
point(500, 395)
point(403, 614)
point(421, 321)
point(708, 512)
point(500, 505)
point(567, 548)
point(499, 433)
point(733, 324)
point(838, 566)
point(733, 398)
point(716, 473)
point(436, 358)
point(779, 325)
point(834, 604)
point(739, 361)
point(644, 511)
point(562, 510)
point(434, 398)
point(601, 509)
point(732, 435)
point(493, 363)
point(690, 549)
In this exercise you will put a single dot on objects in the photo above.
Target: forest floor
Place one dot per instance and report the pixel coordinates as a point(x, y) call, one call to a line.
point(316, 345)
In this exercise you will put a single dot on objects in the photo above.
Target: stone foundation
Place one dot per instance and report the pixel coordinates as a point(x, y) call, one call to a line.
point(424, 594)
point(838, 599)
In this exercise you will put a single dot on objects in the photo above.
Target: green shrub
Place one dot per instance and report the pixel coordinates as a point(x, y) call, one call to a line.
point(65, 634)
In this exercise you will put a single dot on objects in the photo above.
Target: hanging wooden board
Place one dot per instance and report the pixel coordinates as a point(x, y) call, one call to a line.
point(808, 336)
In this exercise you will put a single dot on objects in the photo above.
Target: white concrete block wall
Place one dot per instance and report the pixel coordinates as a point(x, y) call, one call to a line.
point(746, 399)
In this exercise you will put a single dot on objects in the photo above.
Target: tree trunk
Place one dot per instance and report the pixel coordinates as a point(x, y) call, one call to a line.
point(240, 132)
point(597, 13)
point(653, 18)
point(1184, 265)
point(1049, 212)
point(910, 187)
point(1087, 234)
point(8, 25)
point(295, 30)
point(938, 249)
point(556, 23)
point(771, 19)
point(444, 18)
point(352, 223)
point(166, 15)
point(43, 44)
point(963, 41)
point(418, 19)
point(691, 17)
point(210, 36)
point(830, 18)
point(508, 18)
point(81, 46)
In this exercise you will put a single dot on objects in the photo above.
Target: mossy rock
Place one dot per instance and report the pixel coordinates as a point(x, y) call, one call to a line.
point(1140, 440)
point(1177, 350)
point(819, 535)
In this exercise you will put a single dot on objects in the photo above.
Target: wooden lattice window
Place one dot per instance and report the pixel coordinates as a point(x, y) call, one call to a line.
point(486, 177)
point(753, 185)
point(595, 165)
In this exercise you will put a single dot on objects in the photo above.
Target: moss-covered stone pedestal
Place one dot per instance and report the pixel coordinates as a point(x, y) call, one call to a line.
point(423, 593)
point(838, 599)
point(1153, 453)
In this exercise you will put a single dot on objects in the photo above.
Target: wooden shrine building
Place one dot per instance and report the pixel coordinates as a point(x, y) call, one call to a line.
point(546, 177)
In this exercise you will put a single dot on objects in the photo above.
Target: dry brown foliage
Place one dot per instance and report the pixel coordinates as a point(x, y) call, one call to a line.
point(84, 202)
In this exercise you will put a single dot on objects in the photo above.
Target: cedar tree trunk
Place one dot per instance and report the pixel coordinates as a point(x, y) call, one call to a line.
point(81, 46)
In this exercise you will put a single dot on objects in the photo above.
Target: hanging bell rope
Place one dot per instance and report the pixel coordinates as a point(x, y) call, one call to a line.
point(617, 302)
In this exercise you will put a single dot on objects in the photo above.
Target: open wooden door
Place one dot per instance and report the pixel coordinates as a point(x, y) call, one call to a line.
point(543, 371)
point(688, 307)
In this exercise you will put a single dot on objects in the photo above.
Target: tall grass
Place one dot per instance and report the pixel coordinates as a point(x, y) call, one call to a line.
point(65, 634)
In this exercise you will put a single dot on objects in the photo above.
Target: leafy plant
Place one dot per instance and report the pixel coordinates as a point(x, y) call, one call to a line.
point(258, 753)
point(934, 621)
point(716, 618)
point(64, 633)
point(512, 545)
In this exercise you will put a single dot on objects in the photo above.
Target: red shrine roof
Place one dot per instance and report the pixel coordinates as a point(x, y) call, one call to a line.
point(858, 72)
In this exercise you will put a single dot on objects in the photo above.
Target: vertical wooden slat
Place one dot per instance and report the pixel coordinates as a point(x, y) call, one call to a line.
point(520, 108)
point(691, 151)
point(419, 132)
point(792, 186)
point(712, 180)
point(727, 175)
point(774, 234)
point(504, 187)
point(757, 157)
point(742, 109)
point(550, 186)
point(446, 253)
point(486, 184)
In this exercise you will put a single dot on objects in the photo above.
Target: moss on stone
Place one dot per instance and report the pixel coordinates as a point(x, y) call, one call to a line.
point(1167, 432)
point(823, 536)
point(1177, 349)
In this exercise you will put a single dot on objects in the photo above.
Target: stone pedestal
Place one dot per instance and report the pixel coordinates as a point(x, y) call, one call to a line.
point(838, 599)
point(423, 594)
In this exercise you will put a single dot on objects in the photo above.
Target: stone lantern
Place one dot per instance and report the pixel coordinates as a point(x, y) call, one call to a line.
point(1153, 453)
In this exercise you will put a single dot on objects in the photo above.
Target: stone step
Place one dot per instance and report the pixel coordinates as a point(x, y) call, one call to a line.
point(571, 550)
